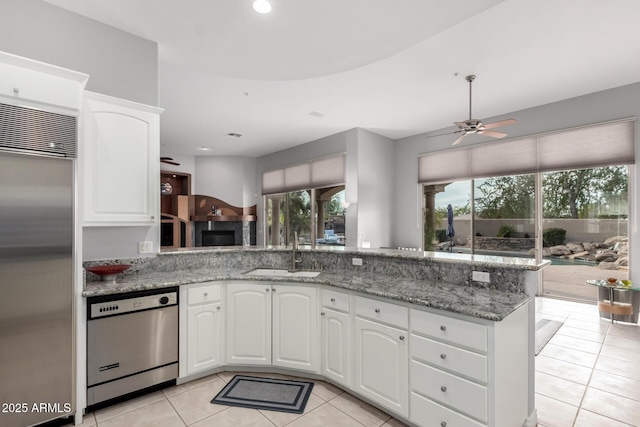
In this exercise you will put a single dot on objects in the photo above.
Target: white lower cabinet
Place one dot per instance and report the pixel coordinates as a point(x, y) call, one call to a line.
point(295, 327)
point(202, 327)
point(468, 373)
point(381, 354)
point(249, 323)
point(336, 337)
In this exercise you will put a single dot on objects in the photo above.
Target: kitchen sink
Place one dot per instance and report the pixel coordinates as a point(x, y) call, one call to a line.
point(281, 272)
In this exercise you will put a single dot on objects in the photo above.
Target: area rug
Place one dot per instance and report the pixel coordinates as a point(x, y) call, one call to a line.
point(265, 393)
point(545, 330)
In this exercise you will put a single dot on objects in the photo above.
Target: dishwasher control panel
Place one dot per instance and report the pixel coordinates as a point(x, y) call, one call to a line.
point(132, 304)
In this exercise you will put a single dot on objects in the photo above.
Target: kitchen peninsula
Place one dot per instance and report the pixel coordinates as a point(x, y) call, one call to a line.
point(410, 332)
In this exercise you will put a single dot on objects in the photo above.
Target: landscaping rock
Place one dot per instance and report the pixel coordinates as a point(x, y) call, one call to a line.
point(606, 256)
point(575, 247)
point(559, 250)
point(607, 266)
point(588, 246)
point(615, 239)
point(622, 247)
point(622, 261)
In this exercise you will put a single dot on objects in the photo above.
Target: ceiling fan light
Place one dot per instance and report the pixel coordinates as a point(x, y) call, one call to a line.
point(262, 6)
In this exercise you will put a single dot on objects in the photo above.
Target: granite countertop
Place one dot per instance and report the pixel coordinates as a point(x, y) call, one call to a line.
point(467, 300)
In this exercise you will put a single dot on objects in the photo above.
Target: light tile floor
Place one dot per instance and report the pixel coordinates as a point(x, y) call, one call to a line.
point(588, 375)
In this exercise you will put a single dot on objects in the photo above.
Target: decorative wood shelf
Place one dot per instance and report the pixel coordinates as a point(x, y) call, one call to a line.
point(249, 218)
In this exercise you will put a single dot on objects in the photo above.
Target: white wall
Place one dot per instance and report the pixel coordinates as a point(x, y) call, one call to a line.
point(598, 107)
point(231, 179)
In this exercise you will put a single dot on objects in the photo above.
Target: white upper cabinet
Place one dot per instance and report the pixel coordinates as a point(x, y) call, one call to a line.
point(24, 81)
point(120, 156)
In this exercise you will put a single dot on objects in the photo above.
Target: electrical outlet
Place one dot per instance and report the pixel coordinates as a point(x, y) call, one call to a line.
point(145, 247)
point(481, 276)
point(356, 261)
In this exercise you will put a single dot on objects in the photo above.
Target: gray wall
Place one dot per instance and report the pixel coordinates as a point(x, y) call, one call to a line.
point(118, 64)
point(611, 104)
point(375, 181)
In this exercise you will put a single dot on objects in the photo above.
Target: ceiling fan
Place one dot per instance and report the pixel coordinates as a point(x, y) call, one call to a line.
point(476, 126)
point(169, 161)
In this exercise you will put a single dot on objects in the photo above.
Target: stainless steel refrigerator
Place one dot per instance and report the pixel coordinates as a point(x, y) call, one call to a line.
point(37, 378)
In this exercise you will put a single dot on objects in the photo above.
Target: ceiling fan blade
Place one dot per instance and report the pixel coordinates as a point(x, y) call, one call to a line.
point(443, 134)
point(461, 125)
point(459, 140)
point(492, 133)
point(500, 123)
point(169, 161)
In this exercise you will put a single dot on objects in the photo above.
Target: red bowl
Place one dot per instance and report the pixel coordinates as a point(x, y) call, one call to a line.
point(108, 272)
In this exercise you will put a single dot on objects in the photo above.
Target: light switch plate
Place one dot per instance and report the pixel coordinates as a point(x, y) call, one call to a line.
point(481, 276)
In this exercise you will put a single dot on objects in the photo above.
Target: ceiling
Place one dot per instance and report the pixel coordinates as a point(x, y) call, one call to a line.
point(313, 68)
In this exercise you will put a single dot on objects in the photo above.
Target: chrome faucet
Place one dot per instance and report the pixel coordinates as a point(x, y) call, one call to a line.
point(294, 252)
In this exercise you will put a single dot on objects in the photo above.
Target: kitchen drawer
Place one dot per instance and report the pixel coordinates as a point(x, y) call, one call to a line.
point(428, 413)
point(204, 293)
point(335, 300)
point(454, 331)
point(463, 395)
point(382, 312)
point(445, 356)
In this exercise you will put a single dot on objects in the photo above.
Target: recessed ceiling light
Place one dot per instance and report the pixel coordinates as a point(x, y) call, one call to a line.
point(204, 148)
point(262, 6)
point(235, 135)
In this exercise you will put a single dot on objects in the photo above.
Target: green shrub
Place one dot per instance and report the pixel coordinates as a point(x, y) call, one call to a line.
point(554, 236)
point(506, 230)
point(441, 236)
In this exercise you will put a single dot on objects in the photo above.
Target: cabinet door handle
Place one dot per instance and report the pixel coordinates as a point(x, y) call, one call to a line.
point(16, 90)
point(333, 300)
point(443, 424)
point(206, 294)
point(401, 337)
point(443, 356)
point(218, 308)
point(322, 313)
point(443, 328)
point(273, 290)
point(443, 389)
point(153, 217)
point(377, 310)
point(267, 289)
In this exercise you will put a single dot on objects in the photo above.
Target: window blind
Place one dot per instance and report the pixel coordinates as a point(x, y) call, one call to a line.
point(317, 173)
point(604, 144)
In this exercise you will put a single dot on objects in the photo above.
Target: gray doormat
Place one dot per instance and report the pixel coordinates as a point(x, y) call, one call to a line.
point(265, 393)
point(545, 330)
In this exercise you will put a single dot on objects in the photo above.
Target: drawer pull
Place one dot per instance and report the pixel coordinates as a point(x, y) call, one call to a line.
point(267, 289)
point(333, 300)
point(443, 389)
point(401, 337)
point(274, 289)
point(16, 90)
point(443, 424)
point(443, 356)
point(206, 294)
point(377, 310)
point(218, 308)
point(443, 328)
point(322, 313)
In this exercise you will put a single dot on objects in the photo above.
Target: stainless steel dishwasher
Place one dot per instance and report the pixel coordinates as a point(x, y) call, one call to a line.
point(132, 342)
